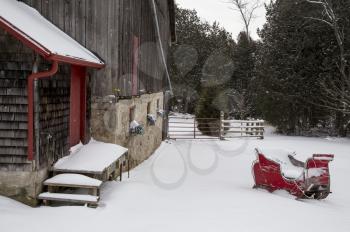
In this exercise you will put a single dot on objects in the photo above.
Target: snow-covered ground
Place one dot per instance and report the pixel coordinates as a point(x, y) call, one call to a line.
point(201, 186)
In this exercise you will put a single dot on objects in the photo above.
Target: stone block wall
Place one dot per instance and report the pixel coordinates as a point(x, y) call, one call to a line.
point(21, 185)
point(110, 122)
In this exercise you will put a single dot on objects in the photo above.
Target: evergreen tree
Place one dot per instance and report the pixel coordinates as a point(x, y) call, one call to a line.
point(294, 58)
point(197, 43)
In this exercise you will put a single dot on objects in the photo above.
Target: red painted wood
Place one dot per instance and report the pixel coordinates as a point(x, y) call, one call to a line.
point(83, 106)
point(268, 175)
point(135, 64)
point(77, 105)
point(75, 61)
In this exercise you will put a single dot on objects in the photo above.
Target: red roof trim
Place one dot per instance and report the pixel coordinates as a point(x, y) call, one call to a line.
point(75, 61)
point(40, 49)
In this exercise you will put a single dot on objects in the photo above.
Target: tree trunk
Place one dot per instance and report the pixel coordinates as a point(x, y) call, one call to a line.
point(340, 124)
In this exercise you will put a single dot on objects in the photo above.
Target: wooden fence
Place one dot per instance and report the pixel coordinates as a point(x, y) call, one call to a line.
point(242, 128)
point(189, 127)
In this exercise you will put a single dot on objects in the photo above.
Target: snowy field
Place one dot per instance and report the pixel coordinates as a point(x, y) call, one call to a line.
point(201, 186)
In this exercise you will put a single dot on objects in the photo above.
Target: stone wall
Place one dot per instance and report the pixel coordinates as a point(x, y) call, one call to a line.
point(22, 186)
point(110, 122)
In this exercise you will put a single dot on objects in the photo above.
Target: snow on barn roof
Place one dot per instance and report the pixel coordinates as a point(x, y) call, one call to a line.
point(28, 25)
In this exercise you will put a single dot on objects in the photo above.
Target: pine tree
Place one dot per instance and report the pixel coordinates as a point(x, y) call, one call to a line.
point(295, 59)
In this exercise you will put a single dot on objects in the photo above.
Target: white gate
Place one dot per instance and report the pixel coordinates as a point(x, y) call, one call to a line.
point(242, 128)
point(186, 127)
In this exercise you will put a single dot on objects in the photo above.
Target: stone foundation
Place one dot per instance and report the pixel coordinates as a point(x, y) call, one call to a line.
point(22, 186)
point(110, 123)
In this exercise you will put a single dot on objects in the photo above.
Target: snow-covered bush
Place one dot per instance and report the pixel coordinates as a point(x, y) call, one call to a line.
point(161, 113)
point(151, 119)
point(136, 128)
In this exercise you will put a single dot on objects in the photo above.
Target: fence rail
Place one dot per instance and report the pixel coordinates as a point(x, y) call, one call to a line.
point(240, 129)
point(213, 128)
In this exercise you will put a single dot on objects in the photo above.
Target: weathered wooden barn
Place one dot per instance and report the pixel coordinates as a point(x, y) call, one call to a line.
point(77, 99)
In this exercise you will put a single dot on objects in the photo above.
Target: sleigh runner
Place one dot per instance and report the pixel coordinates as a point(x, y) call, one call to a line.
point(310, 180)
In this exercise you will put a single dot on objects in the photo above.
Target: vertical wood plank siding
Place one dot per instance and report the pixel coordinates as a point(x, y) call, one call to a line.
point(107, 27)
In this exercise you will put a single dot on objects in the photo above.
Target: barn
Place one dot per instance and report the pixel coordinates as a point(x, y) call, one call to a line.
point(73, 70)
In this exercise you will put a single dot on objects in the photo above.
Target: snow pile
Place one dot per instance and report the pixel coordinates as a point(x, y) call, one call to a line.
point(34, 27)
point(315, 172)
point(93, 157)
point(76, 148)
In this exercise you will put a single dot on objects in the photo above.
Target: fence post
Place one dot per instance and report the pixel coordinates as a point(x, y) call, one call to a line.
point(262, 130)
point(221, 127)
point(194, 128)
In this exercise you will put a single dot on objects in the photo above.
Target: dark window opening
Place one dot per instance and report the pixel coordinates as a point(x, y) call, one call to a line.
point(132, 113)
point(149, 108)
point(158, 104)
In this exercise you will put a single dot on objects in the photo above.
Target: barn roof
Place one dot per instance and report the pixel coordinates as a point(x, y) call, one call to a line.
point(29, 26)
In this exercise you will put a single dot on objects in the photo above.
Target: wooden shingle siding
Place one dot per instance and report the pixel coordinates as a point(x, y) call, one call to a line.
point(16, 63)
point(15, 66)
point(54, 116)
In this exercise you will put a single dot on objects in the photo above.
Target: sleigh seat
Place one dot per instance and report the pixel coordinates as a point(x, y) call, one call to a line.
point(291, 168)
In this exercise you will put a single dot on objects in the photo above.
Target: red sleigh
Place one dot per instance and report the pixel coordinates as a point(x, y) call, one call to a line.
point(309, 180)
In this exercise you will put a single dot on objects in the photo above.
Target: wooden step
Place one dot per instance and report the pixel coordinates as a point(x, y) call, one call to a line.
point(74, 181)
point(69, 198)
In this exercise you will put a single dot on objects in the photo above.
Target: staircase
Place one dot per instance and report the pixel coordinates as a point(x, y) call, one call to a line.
point(60, 182)
point(99, 160)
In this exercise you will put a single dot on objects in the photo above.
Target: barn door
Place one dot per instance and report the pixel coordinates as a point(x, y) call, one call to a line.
point(77, 105)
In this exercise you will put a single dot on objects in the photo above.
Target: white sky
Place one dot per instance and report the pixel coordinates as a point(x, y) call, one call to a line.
point(219, 10)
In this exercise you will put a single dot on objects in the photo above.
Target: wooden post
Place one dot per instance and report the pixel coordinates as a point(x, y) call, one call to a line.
point(94, 192)
point(194, 128)
point(221, 126)
point(128, 159)
point(121, 171)
point(50, 189)
point(241, 129)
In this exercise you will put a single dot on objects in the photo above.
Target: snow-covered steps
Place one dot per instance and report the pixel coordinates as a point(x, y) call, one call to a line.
point(74, 181)
point(69, 198)
point(100, 160)
point(62, 182)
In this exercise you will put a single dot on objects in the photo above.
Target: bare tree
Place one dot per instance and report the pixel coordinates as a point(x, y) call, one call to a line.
point(330, 18)
point(247, 9)
point(337, 92)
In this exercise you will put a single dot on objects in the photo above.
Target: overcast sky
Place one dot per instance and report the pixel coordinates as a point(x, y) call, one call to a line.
point(219, 10)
